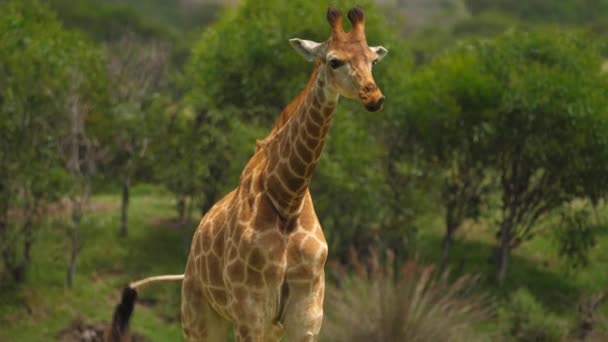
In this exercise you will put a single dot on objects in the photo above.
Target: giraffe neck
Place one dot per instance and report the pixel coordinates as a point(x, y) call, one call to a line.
point(294, 149)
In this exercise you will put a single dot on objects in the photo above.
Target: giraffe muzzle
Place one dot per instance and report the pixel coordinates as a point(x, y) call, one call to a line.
point(375, 106)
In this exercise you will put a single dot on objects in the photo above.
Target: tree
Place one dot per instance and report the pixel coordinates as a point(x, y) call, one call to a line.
point(445, 118)
point(32, 73)
point(36, 68)
point(549, 134)
point(566, 11)
point(84, 96)
point(138, 70)
point(527, 110)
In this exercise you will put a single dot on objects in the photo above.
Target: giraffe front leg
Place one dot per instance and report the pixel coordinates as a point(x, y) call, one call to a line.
point(304, 310)
point(248, 333)
point(200, 322)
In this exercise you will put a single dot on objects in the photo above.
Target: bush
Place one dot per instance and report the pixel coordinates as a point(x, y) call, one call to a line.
point(416, 304)
point(525, 319)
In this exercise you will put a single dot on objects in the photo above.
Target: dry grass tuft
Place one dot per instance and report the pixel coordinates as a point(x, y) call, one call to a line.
point(382, 302)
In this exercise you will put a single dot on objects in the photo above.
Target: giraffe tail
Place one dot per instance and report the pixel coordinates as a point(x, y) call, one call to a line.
point(124, 309)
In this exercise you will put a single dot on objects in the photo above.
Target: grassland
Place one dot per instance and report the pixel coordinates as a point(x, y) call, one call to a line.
point(40, 308)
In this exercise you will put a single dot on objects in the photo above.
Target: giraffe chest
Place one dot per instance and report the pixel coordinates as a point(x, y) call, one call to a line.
point(247, 256)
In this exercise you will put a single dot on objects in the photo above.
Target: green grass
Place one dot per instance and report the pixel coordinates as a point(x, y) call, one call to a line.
point(535, 265)
point(40, 308)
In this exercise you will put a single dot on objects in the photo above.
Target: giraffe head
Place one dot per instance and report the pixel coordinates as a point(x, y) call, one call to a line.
point(347, 59)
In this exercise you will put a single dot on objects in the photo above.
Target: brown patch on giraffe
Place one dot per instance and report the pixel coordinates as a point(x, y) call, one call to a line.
point(220, 297)
point(298, 165)
point(219, 218)
point(277, 190)
point(236, 272)
point(313, 128)
point(245, 213)
point(310, 142)
point(315, 115)
point(206, 241)
point(233, 252)
point(288, 226)
point(254, 278)
point(245, 247)
point(292, 181)
point(266, 216)
point(274, 274)
point(215, 272)
point(328, 111)
point(304, 153)
point(275, 245)
point(293, 250)
point(256, 259)
point(316, 104)
point(218, 243)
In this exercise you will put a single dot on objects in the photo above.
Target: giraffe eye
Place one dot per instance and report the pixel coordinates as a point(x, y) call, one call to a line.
point(335, 63)
point(375, 61)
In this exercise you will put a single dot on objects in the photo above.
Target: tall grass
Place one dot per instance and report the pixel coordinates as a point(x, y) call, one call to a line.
point(379, 301)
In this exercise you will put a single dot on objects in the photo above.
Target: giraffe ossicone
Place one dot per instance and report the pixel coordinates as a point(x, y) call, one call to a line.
point(256, 260)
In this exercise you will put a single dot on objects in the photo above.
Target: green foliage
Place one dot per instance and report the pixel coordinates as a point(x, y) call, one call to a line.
point(351, 180)
point(416, 304)
point(106, 22)
point(39, 308)
point(576, 234)
point(564, 11)
point(485, 24)
point(524, 319)
point(44, 71)
point(527, 106)
point(550, 128)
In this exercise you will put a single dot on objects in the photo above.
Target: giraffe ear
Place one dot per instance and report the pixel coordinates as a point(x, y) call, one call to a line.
point(380, 51)
point(308, 49)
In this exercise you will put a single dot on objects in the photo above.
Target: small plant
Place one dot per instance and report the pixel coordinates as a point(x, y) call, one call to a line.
point(413, 304)
point(524, 319)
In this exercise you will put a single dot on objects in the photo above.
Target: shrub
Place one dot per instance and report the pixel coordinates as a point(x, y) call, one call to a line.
point(525, 319)
point(416, 304)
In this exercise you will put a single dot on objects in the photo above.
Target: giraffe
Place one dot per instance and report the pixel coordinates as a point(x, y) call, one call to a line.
point(257, 258)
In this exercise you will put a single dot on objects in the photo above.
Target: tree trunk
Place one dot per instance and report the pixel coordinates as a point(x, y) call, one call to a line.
point(450, 228)
point(124, 211)
point(452, 220)
point(28, 239)
point(181, 208)
point(5, 248)
point(74, 241)
point(504, 251)
point(189, 207)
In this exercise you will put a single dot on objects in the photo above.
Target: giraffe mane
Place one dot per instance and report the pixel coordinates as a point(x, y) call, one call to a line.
point(290, 109)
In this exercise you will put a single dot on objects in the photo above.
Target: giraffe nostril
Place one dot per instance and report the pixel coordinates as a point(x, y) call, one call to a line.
point(370, 87)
